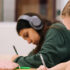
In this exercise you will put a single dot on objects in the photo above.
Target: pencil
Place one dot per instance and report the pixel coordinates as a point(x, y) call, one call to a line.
point(42, 60)
point(16, 53)
point(15, 49)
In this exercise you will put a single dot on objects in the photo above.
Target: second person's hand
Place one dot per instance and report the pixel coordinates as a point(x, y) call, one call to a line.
point(42, 67)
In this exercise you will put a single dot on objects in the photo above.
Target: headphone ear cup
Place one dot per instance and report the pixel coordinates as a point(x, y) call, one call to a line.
point(36, 23)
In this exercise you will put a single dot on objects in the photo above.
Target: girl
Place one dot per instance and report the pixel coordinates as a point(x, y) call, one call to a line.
point(52, 44)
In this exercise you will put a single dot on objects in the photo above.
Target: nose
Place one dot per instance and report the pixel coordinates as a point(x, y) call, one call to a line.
point(29, 41)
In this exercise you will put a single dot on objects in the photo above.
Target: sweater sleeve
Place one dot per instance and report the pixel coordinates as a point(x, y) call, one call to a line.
point(52, 51)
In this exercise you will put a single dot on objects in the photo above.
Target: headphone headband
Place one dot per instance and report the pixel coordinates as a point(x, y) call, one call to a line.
point(34, 21)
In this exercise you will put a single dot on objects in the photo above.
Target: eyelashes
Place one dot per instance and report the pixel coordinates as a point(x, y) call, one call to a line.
point(25, 35)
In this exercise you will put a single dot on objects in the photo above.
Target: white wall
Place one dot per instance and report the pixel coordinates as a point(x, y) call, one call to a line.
point(8, 10)
point(1, 10)
point(60, 5)
point(9, 37)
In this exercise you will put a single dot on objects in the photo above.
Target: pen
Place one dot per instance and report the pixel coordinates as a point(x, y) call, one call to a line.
point(42, 60)
point(15, 49)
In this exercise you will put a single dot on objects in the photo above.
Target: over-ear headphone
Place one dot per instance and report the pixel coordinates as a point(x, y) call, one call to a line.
point(34, 21)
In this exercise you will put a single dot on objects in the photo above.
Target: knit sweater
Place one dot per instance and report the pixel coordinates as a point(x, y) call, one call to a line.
point(55, 49)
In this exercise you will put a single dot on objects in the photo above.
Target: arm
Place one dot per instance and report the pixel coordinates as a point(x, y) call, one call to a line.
point(61, 66)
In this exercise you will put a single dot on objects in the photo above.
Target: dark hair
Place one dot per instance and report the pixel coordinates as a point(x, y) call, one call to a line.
point(66, 10)
point(21, 24)
point(47, 25)
point(42, 32)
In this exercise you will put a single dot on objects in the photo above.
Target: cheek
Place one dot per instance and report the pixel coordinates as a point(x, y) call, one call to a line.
point(33, 36)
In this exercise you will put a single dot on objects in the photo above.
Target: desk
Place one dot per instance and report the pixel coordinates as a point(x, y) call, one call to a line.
point(27, 69)
point(8, 57)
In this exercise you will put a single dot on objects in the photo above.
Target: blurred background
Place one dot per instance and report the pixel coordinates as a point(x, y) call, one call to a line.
point(10, 10)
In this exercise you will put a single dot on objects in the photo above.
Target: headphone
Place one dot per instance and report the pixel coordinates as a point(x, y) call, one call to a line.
point(34, 21)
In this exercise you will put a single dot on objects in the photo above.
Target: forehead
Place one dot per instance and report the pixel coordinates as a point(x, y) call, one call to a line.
point(24, 30)
point(66, 17)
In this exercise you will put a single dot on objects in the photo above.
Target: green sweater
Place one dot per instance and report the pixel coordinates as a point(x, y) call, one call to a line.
point(55, 48)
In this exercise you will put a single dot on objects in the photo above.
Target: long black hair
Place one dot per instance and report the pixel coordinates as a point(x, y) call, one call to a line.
point(21, 24)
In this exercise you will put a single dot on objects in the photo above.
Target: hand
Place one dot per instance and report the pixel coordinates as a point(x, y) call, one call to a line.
point(42, 68)
point(14, 57)
point(7, 65)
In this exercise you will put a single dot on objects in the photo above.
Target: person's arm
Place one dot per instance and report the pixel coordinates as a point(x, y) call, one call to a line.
point(42, 67)
point(52, 52)
point(8, 65)
point(61, 66)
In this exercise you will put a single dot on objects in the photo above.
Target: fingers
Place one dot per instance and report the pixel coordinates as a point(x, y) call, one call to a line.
point(8, 65)
point(42, 68)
